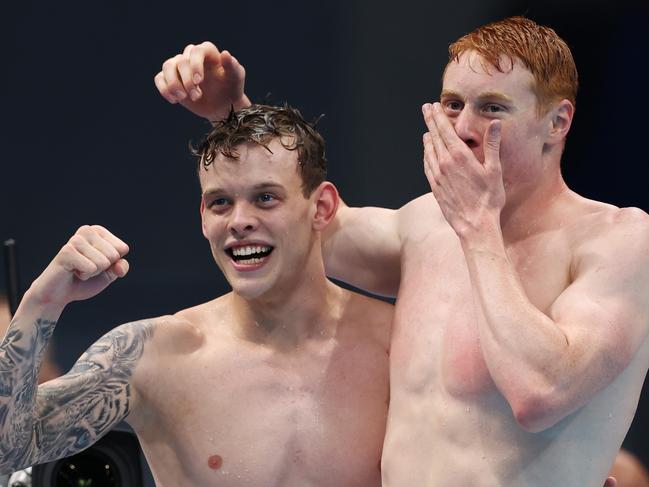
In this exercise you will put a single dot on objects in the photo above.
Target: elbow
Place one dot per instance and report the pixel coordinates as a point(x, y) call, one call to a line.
point(536, 412)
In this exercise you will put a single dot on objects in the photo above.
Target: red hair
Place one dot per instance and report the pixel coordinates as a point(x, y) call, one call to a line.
point(539, 48)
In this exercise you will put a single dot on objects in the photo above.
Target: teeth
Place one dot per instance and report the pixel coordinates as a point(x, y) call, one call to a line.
point(254, 260)
point(249, 249)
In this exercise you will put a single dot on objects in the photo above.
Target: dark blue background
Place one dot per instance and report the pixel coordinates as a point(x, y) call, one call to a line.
point(86, 138)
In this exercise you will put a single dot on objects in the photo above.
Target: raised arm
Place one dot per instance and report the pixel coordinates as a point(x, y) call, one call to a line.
point(362, 247)
point(206, 81)
point(68, 414)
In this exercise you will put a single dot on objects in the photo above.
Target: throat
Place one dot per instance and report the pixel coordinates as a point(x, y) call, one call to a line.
point(296, 316)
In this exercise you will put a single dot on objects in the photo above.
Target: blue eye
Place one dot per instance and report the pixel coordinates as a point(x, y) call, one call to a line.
point(218, 202)
point(266, 198)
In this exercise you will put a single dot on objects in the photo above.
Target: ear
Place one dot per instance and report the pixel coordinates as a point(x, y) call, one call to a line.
point(326, 199)
point(202, 210)
point(560, 121)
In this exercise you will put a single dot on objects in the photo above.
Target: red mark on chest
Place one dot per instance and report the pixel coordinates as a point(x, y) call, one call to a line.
point(215, 462)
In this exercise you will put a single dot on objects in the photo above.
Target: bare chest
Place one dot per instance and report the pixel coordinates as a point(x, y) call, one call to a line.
point(242, 415)
point(435, 337)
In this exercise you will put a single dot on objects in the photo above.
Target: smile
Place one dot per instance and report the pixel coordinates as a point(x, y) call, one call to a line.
point(249, 255)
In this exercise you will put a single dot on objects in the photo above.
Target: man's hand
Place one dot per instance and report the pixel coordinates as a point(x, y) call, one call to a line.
point(610, 482)
point(206, 81)
point(85, 266)
point(466, 189)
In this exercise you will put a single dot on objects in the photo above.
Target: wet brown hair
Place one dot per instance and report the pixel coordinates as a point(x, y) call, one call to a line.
point(260, 124)
point(539, 48)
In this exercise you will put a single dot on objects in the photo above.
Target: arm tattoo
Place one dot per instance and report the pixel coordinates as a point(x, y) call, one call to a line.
point(68, 414)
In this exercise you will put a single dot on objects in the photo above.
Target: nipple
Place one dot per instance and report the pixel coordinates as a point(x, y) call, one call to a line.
point(215, 462)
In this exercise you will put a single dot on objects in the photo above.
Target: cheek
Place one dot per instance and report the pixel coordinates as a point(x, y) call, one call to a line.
point(213, 230)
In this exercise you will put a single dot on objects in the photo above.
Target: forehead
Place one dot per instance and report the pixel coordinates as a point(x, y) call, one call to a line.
point(471, 75)
point(256, 164)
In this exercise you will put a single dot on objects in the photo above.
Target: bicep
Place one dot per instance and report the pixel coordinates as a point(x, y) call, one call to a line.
point(604, 314)
point(75, 410)
point(363, 247)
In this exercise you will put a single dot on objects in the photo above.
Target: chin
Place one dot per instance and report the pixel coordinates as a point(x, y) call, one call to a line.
point(250, 290)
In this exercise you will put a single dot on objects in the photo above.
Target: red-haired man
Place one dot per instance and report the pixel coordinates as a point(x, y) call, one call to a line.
point(519, 344)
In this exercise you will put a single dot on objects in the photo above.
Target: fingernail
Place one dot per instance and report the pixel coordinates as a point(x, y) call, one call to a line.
point(426, 107)
point(194, 94)
point(197, 78)
point(180, 95)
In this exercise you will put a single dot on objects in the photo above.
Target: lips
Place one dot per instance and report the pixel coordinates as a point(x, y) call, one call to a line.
point(249, 256)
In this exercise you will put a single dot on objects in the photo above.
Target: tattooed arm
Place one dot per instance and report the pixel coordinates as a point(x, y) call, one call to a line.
point(66, 415)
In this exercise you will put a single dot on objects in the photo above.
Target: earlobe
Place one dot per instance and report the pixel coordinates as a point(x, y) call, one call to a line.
point(326, 205)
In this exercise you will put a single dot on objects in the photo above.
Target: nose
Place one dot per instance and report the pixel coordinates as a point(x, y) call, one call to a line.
point(243, 220)
point(466, 127)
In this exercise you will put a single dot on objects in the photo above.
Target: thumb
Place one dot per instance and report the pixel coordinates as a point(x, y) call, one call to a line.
point(492, 145)
point(118, 269)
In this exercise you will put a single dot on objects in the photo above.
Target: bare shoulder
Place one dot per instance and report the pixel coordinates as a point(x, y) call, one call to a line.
point(369, 315)
point(609, 231)
point(420, 215)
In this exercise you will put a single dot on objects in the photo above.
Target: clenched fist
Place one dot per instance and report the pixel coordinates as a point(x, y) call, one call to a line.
point(85, 266)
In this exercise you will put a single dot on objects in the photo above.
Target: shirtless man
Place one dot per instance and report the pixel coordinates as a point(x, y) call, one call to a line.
point(519, 344)
point(282, 382)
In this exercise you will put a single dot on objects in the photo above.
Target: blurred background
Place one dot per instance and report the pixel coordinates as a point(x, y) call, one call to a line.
point(87, 139)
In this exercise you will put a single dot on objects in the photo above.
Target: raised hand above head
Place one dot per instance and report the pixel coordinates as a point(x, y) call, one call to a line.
point(206, 81)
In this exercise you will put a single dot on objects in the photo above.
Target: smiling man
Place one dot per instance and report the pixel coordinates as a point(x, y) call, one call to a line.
point(520, 345)
point(282, 382)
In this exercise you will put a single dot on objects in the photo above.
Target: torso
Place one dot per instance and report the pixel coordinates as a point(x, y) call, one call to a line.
point(214, 409)
point(448, 423)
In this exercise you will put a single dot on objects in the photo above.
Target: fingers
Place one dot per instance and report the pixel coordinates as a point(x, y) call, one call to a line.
point(232, 69)
point(431, 163)
point(442, 130)
point(436, 141)
point(118, 269)
point(492, 145)
point(181, 75)
point(93, 250)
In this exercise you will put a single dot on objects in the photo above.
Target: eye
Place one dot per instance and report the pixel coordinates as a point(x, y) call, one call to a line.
point(266, 198)
point(218, 203)
point(494, 108)
point(453, 106)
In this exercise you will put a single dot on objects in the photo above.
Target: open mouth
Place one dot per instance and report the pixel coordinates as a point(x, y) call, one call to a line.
point(249, 254)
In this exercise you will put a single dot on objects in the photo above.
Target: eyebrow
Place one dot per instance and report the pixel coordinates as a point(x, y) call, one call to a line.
point(256, 187)
point(487, 95)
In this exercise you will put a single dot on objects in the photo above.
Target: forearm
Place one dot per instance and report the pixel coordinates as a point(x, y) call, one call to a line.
point(525, 351)
point(21, 354)
point(224, 111)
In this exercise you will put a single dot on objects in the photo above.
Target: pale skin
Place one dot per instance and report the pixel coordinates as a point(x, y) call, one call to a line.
point(519, 343)
point(282, 382)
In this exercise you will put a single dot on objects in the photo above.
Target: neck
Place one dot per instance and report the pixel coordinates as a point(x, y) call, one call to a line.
point(304, 308)
point(526, 212)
